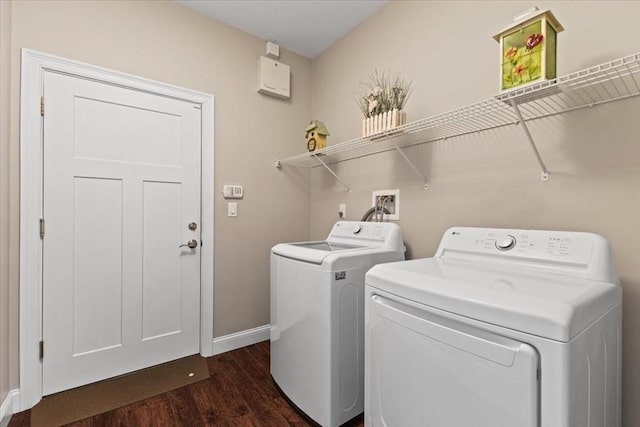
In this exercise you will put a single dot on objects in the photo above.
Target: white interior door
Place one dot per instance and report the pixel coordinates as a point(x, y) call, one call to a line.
point(121, 185)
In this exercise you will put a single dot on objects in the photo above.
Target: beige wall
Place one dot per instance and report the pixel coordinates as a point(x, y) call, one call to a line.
point(492, 179)
point(7, 323)
point(170, 43)
point(489, 179)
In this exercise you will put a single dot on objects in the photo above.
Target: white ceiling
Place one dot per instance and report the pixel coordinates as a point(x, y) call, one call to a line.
point(306, 27)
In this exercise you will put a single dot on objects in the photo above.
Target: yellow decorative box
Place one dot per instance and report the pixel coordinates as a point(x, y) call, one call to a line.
point(528, 49)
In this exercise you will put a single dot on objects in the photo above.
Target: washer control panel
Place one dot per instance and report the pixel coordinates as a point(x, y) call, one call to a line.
point(373, 234)
point(361, 230)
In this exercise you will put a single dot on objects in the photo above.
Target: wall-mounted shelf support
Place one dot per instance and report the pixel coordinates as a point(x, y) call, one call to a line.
point(611, 81)
point(525, 129)
point(410, 163)
point(332, 172)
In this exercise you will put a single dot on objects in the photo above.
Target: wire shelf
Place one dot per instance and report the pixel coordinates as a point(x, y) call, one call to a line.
point(611, 81)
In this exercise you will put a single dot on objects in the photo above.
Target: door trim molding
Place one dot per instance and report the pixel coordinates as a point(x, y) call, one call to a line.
point(34, 64)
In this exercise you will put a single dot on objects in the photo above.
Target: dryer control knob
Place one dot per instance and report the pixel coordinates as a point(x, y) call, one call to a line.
point(505, 243)
point(357, 229)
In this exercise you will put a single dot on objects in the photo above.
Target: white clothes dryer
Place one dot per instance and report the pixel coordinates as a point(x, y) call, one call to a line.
point(513, 328)
point(317, 317)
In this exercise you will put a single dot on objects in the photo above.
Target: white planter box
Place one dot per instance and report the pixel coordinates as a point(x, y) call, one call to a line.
point(383, 122)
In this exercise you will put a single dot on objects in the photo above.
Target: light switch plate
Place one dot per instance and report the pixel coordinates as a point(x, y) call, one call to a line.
point(232, 209)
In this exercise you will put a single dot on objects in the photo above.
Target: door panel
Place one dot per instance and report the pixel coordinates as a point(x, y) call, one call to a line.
point(121, 183)
point(161, 311)
point(97, 296)
point(428, 370)
point(150, 136)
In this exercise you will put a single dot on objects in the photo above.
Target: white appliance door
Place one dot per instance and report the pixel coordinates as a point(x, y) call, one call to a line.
point(423, 369)
point(121, 185)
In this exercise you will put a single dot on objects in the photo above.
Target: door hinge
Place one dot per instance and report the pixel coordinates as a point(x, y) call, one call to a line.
point(42, 228)
point(42, 105)
point(41, 343)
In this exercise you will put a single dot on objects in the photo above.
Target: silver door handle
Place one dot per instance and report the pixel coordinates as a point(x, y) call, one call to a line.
point(193, 243)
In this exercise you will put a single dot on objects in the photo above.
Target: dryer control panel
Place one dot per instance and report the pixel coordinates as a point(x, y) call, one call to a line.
point(577, 253)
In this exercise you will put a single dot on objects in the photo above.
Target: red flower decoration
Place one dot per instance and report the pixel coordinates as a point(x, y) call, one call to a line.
point(533, 40)
point(519, 69)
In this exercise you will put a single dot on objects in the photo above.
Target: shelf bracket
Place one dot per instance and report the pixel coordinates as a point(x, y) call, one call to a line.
point(332, 172)
point(410, 163)
point(544, 174)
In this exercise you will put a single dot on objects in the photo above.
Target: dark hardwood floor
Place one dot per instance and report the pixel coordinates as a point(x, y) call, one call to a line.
point(239, 392)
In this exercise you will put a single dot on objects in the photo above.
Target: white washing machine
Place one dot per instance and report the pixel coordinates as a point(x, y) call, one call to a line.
point(513, 328)
point(317, 317)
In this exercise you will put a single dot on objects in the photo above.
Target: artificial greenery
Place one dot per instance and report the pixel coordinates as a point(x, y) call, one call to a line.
point(383, 92)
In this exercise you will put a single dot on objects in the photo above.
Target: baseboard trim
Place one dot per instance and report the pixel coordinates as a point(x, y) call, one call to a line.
point(240, 339)
point(9, 407)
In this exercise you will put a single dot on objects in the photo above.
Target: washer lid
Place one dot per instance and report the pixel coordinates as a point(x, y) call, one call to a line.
point(346, 237)
point(547, 305)
point(314, 252)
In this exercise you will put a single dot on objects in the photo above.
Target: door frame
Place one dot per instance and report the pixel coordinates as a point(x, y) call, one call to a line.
point(34, 64)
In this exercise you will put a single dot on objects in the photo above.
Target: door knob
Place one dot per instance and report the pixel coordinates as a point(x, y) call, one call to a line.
point(193, 243)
